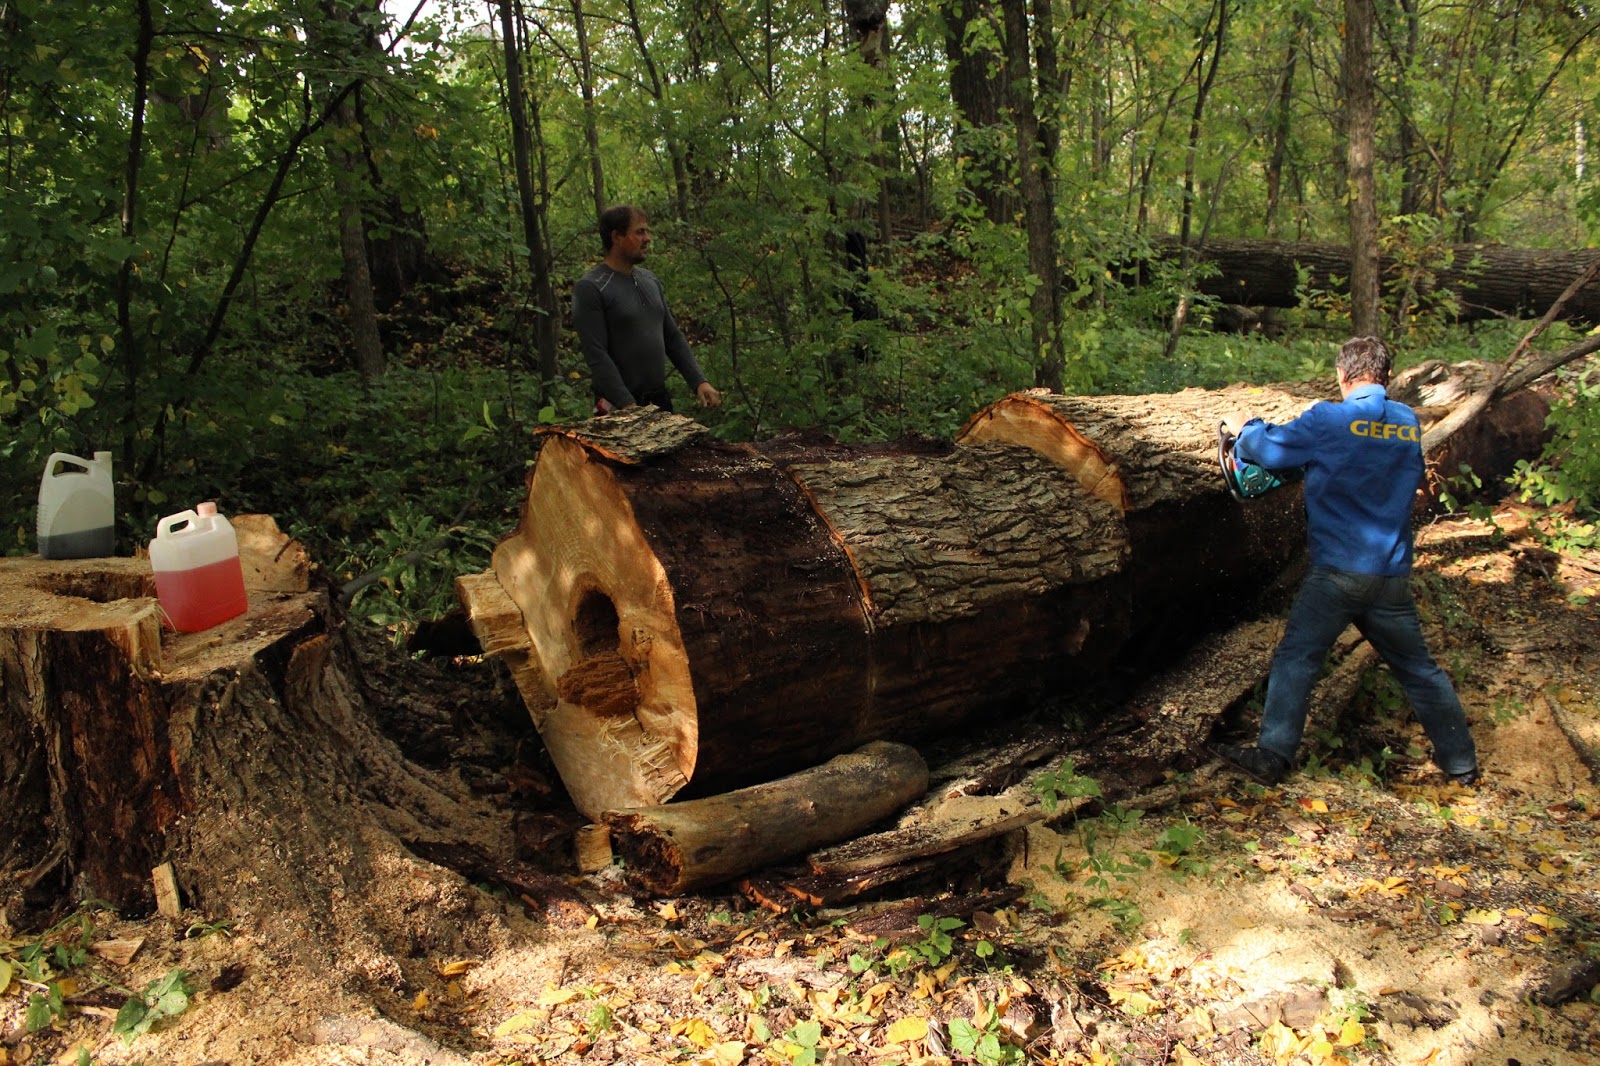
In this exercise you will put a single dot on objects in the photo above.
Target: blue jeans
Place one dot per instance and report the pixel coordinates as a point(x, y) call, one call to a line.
point(1383, 609)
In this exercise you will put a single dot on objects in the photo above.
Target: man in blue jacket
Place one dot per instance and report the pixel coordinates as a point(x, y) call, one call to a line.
point(1363, 464)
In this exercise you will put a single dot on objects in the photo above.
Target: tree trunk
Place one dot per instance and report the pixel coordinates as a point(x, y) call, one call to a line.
point(247, 755)
point(532, 225)
point(978, 97)
point(705, 616)
point(1197, 557)
point(1038, 204)
point(684, 846)
point(1360, 130)
point(1489, 280)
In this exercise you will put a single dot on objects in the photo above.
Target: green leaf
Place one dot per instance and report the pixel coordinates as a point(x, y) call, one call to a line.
point(131, 1020)
point(38, 1015)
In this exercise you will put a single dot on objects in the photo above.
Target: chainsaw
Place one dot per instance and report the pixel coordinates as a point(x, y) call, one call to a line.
point(1247, 480)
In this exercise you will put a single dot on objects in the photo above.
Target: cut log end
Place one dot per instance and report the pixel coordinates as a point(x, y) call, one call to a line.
point(599, 617)
point(1023, 418)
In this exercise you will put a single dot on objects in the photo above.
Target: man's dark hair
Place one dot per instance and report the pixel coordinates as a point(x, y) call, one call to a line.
point(615, 220)
point(1365, 357)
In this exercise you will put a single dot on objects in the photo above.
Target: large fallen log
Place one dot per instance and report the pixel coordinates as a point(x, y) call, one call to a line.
point(1489, 280)
point(704, 615)
point(246, 756)
point(1199, 556)
point(684, 616)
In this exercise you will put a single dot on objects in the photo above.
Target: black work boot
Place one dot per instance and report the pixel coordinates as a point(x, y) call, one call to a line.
point(1266, 767)
point(1466, 778)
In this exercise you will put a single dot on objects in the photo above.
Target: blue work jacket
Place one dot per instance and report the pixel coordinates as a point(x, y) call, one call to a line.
point(1363, 464)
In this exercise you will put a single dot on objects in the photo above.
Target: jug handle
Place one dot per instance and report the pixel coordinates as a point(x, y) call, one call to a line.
point(67, 458)
point(171, 522)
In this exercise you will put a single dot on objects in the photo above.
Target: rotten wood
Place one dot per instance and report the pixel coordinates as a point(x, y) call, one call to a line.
point(671, 849)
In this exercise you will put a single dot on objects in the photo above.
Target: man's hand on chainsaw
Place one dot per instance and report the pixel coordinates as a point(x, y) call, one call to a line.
point(1235, 421)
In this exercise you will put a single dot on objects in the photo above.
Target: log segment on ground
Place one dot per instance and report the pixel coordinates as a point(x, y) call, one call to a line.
point(1490, 280)
point(247, 756)
point(706, 615)
point(679, 847)
point(1198, 555)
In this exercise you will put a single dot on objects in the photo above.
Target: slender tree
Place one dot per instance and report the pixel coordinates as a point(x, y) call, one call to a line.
point(1360, 136)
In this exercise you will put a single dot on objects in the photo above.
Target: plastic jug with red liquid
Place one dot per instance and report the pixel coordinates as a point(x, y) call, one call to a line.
point(199, 579)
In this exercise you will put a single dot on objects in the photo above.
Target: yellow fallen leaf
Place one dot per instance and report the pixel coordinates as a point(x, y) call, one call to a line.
point(593, 921)
point(726, 1053)
point(1182, 1056)
point(519, 1021)
point(668, 912)
point(1548, 921)
point(1478, 916)
point(551, 997)
point(1315, 806)
point(1351, 1033)
point(421, 1002)
point(695, 1030)
point(456, 968)
point(906, 1030)
point(67, 986)
point(5, 976)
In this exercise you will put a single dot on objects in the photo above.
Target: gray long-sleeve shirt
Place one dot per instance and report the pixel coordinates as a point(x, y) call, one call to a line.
point(627, 334)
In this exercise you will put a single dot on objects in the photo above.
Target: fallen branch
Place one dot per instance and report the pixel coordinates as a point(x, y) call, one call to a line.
point(1480, 401)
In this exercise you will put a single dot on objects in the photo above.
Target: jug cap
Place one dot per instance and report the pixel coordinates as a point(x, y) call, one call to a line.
point(205, 510)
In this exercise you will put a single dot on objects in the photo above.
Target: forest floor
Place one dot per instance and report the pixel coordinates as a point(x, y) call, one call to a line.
point(1365, 911)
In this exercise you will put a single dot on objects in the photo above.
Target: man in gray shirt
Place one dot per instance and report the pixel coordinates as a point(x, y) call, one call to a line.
point(624, 327)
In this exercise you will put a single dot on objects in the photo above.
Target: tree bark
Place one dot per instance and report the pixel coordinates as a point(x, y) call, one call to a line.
point(680, 847)
point(1038, 205)
point(532, 224)
point(1198, 557)
point(704, 616)
point(1489, 280)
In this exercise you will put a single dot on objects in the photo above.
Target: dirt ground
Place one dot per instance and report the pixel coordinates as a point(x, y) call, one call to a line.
point(1365, 911)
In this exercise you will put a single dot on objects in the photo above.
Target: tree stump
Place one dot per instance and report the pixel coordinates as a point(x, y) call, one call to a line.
point(245, 755)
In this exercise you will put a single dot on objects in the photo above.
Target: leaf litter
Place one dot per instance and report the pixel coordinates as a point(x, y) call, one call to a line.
point(1363, 911)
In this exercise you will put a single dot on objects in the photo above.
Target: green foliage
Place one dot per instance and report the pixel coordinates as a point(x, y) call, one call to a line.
point(1064, 782)
point(803, 1040)
point(1568, 474)
point(936, 944)
point(164, 998)
point(982, 1043)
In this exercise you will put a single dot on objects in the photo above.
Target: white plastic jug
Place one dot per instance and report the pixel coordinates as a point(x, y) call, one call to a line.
point(199, 580)
point(77, 510)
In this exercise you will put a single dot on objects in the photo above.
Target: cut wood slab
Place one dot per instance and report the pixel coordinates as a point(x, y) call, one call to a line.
point(682, 846)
